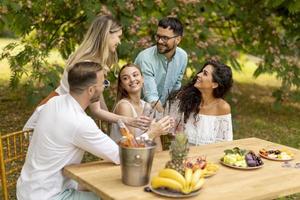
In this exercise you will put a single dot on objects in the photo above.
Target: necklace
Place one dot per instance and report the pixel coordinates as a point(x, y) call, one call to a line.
point(209, 105)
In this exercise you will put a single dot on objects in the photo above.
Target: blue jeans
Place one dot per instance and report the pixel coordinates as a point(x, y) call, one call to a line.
point(72, 194)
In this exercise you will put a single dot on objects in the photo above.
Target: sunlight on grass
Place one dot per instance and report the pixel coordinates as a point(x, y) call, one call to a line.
point(245, 76)
point(248, 64)
point(56, 58)
point(5, 73)
point(4, 66)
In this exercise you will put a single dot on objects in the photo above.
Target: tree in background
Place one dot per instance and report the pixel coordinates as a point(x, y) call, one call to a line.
point(220, 29)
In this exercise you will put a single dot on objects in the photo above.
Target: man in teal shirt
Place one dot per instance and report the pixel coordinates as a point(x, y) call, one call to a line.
point(164, 64)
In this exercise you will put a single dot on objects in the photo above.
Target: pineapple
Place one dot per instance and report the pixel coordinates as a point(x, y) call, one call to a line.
point(178, 151)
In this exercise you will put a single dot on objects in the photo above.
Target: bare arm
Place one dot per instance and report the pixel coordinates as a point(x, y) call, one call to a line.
point(141, 122)
point(102, 103)
point(104, 115)
point(159, 148)
point(124, 109)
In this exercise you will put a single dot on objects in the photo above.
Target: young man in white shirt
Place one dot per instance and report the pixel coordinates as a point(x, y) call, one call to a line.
point(62, 132)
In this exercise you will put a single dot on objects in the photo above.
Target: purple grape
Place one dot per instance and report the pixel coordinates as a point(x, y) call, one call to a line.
point(248, 157)
point(251, 163)
point(252, 160)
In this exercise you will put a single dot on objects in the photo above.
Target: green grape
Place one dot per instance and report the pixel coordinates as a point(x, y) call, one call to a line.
point(241, 163)
point(230, 159)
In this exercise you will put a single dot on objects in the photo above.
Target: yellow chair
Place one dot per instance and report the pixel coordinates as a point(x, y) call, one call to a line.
point(13, 148)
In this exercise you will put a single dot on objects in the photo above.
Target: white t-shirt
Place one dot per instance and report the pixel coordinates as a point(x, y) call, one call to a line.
point(31, 122)
point(62, 132)
point(115, 131)
point(207, 129)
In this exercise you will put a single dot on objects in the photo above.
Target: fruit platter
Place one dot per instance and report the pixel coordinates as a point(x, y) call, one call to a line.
point(241, 159)
point(199, 162)
point(276, 154)
point(179, 178)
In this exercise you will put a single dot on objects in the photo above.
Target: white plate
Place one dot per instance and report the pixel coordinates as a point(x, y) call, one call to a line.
point(173, 194)
point(243, 168)
point(275, 159)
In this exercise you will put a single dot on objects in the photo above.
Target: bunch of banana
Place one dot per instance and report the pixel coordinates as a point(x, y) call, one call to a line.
point(173, 180)
point(193, 180)
point(210, 169)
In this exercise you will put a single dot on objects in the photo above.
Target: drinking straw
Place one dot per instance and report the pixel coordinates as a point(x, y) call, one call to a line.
point(181, 120)
point(152, 110)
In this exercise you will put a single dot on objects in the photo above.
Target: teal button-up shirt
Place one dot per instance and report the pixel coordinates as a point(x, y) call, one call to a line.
point(161, 76)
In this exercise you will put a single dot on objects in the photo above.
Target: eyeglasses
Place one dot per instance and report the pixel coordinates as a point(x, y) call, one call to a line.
point(106, 83)
point(165, 39)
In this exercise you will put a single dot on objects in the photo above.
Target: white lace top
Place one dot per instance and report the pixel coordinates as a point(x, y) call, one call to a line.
point(115, 132)
point(208, 129)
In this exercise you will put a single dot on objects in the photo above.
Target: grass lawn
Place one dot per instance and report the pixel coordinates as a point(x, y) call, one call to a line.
point(252, 107)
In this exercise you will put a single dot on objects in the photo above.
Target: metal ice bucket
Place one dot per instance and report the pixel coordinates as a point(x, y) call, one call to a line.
point(136, 164)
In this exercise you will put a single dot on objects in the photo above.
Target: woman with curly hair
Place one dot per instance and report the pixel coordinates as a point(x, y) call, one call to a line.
point(207, 115)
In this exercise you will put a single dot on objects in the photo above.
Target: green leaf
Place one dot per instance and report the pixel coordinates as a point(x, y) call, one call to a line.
point(275, 3)
point(294, 7)
point(235, 64)
point(229, 151)
point(259, 70)
point(217, 29)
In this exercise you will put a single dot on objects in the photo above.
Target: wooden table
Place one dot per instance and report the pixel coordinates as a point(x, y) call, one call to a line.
point(270, 181)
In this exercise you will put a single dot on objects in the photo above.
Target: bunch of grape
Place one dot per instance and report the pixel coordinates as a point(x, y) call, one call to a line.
point(253, 160)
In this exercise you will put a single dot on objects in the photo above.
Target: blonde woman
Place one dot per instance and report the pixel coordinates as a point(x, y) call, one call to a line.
point(129, 103)
point(99, 45)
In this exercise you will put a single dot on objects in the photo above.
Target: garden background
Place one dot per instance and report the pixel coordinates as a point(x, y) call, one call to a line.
point(260, 40)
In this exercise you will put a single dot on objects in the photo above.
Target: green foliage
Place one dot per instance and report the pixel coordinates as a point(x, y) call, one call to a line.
point(236, 150)
point(213, 29)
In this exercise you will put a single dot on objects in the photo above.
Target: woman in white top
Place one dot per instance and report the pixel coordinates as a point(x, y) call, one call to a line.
point(99, 45)
point(207, 115)
point(129, 103)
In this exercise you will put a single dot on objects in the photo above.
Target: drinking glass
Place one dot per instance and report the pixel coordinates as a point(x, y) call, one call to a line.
point(172, 110)
point(148, 111)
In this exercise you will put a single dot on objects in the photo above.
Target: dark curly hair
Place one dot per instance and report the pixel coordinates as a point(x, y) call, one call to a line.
point(190, 97)
point(174, 24)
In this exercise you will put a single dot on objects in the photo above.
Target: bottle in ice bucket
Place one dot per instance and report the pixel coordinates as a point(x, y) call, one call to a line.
point(130, 140)
point(136, 157)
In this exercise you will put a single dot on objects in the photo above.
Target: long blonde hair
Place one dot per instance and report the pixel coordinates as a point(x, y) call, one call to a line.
point(94, 46)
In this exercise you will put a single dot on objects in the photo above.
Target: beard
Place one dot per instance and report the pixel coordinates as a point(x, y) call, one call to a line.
point(164, 48)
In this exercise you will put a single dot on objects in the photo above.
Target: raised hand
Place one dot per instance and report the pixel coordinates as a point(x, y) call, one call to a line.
point(161, 127)
point(142, 122)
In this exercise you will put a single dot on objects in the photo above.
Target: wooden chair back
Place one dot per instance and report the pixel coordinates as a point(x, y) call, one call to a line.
point(13, 149)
